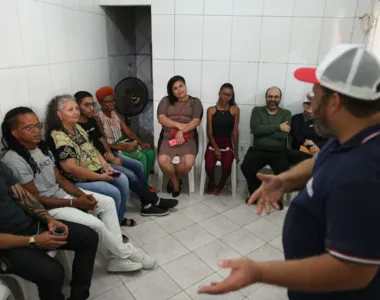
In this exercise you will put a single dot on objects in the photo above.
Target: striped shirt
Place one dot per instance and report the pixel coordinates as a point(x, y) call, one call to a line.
point(111, 127)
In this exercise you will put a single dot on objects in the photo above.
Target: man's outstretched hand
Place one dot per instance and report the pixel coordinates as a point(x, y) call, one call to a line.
point(268, 194)
point(244, 272)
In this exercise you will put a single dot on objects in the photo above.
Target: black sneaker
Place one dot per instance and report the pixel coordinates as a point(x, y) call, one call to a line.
point(167, 203)
point(154, 211)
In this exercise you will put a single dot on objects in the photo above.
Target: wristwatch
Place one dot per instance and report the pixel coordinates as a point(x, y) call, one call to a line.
point(32, 243)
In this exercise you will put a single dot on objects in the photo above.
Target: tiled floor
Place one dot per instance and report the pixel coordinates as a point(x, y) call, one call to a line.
point(187, 245)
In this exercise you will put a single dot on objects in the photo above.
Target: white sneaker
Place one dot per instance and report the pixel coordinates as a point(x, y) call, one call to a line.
point(123, 265)
point(147, 261)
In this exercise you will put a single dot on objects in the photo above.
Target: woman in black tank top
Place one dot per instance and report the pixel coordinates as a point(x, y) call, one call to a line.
point(222, 128)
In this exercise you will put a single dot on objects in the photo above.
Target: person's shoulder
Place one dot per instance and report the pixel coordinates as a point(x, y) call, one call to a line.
point(297, 116)
point(12, 157)
point(285, 111)
point(357, 164)
point(259, 108)
point(211, 109)
point(195, 100)
point(234, 109)
point(164, 99)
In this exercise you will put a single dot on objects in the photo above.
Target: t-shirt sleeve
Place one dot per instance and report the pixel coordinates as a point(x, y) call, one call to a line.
point(19, 167)
point(198, 109)
point(6, 173)
point(163, 106)
point(352, 217)
point(63, 149)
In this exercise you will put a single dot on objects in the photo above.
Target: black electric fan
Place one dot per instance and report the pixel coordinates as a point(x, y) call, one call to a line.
point(131, 95)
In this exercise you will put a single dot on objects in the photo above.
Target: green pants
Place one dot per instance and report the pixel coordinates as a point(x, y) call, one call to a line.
point(147, 158)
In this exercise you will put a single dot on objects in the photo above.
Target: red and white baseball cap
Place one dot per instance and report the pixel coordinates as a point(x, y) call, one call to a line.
point(348, 69)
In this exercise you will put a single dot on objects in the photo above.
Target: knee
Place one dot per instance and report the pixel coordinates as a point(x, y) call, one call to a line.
point(244, 166)
point(96, 224)
point(187, 167)
point(133, 179)
point(106, 202)
point(51, 274)
point(163, 159)
point(90, 237)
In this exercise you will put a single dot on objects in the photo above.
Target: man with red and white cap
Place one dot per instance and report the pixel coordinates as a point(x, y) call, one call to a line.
point(330, 234)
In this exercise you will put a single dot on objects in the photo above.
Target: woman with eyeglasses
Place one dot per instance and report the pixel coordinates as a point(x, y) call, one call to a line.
point(179, 114)
point(77, 157)
point(223, 136)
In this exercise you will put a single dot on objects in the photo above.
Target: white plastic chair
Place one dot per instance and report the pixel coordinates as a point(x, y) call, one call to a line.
point(218, 163)
point(190, 175)
point(28, 290)
point(5, 292)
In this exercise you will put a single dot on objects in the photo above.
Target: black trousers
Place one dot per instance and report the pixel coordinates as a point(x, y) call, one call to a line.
point(256, 159)
point(37, 266)
point(296, 156)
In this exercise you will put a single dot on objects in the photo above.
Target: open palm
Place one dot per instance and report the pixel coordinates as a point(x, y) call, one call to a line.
point(268, 194)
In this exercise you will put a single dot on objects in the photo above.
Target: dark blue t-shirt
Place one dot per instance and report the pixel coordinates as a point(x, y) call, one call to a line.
point(339, 211)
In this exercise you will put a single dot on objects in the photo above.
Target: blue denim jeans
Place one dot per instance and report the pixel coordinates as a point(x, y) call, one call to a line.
point(134, 165)
point(117, 189)
point(134, 170)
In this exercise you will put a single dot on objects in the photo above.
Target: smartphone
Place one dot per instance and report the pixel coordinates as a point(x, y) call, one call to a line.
point(116, 174)
point(173, 142)
point(59, 230)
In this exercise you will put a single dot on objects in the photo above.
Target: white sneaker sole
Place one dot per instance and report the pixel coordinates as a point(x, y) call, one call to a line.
point(129, 268)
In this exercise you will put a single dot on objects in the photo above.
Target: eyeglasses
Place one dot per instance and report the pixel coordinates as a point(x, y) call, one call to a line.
point(32, 127)
point(226, 95)
point(89, 104)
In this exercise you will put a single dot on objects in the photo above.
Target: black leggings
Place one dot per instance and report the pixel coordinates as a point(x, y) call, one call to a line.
point(37, 266)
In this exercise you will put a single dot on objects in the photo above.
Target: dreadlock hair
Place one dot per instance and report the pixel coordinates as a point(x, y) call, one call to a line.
point(11, 143)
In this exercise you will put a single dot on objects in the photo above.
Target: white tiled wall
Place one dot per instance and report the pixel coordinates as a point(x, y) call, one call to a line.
point(56, 46)
point(50, 47)
point(254, 44)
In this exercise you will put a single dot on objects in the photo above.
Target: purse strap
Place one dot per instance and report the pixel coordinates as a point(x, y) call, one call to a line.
point(181, 110)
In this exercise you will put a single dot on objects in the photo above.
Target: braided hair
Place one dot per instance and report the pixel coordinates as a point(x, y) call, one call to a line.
point(11, 143)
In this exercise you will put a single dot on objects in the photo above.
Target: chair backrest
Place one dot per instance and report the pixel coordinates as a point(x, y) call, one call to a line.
point(204, 134)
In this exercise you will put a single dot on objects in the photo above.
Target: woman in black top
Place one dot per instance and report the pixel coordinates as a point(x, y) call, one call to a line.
point(222, 126)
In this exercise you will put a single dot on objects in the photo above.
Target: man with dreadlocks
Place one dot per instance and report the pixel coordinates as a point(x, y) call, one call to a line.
point(33, 165)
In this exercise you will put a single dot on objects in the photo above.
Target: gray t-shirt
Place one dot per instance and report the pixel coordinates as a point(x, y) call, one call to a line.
point(45, 180)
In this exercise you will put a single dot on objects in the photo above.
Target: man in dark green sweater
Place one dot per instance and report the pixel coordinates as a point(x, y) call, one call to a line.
point(270, 126)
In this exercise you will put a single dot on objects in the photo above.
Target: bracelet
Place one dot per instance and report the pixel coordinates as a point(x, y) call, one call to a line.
point(105, 166)
point(71, 202)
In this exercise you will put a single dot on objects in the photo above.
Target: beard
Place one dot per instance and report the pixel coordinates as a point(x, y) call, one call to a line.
point(321, 125)
point(272, 105)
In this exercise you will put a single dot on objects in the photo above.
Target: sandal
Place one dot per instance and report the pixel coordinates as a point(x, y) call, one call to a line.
point(128, 223)
point(125, 238)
